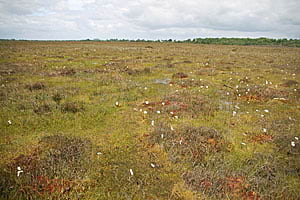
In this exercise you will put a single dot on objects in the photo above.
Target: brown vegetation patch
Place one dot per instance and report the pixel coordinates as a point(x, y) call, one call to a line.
point(261, 94)
point(35, 86)
point(62, 72)
point(137, 71)
point(261, 138)
point(266, 172)
point(219, 185)
point(288, 144)
point(71, 107)
point(190, 144)
point(183, 103)
point(14, 68)
point(67, 72)
point(57, 97)
point(180, 75)
point(189, 103)
point(169, 65)
point(56, 167)
point(43, 109)
point(290, 83)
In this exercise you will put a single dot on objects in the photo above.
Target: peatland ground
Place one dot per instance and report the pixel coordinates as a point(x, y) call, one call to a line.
point(125, 120)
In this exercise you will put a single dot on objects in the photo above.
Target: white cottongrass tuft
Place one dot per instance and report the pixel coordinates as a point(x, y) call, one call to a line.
point(172, 129)
point(131, 172)
point(293, 143)
point(233, 113)
point(19, 171)
point(237, 107)
point(9, 122)
point(264, 130)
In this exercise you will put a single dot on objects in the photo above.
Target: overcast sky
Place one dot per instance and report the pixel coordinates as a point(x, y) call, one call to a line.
point(148, 19)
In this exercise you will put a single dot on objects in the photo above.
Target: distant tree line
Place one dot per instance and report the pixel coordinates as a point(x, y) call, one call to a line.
point(246, 41)
point(220, 41)
point(224, 41)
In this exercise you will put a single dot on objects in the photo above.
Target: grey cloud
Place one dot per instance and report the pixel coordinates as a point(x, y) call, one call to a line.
point(149, 19)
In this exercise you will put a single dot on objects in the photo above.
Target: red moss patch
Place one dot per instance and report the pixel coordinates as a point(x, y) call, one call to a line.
point(262, 138)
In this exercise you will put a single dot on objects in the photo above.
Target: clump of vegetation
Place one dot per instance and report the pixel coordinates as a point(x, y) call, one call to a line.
point(183, 103)
point(261, 176)
point(290, 83)
point(56, 168)
point(288, 144)
point(259, 93)
point(189, 103)
point(190, 144)
point(146, 70)
point(180, 75)
point(72, 107)
point(267, 173)
point(36, 86)
point(43, 109)
point(67, 72)
point(57, 97)
point(261, 138)
point(219, 183)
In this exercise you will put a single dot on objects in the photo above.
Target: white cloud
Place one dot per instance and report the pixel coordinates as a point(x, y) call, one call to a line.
point(149, 19)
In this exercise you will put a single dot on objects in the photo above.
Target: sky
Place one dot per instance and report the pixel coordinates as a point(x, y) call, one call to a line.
point(148, 19)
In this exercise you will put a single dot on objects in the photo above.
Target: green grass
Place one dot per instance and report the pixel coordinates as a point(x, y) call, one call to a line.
point(60, 123)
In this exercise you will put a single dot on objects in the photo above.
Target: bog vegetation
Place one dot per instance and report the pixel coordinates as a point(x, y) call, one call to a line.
point(120, 120)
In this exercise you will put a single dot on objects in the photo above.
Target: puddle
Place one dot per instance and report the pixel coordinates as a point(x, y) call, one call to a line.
point(162, 81)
